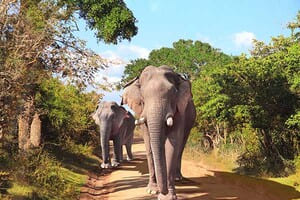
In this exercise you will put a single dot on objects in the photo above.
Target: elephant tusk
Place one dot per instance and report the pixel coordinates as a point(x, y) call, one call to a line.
point(140, 121)
point(170, 121)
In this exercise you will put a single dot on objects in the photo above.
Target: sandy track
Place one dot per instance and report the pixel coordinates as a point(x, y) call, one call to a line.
point(129, 181)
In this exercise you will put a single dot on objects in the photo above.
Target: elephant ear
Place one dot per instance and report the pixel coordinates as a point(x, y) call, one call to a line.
point(184, 94)
point(97, 113)
point(133, 98)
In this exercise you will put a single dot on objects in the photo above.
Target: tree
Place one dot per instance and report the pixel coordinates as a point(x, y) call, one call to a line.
point(260, 93)
point(66, 110)
point(186, 56)
point(37, 40)
point(294, 26)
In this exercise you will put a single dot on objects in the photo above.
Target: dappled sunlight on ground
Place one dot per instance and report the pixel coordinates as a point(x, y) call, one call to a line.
point(129, 182)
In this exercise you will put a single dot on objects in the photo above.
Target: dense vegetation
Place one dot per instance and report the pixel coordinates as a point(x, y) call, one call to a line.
point(247, 103)
point(37, 43)
point(68, 137)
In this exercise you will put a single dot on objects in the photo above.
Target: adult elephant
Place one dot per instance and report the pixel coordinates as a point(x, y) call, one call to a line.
point(115, 124)
point(162, 100)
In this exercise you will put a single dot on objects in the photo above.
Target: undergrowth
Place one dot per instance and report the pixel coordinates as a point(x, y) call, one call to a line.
point(42, 174)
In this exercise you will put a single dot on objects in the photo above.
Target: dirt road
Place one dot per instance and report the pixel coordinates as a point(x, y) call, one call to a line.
point(129, 183)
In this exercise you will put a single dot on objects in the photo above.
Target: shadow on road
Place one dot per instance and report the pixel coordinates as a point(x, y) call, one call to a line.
point(225, 185)
point(219, 185)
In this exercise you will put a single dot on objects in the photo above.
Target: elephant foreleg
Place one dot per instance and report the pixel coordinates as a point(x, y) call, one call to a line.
point(118, 151)
point(104, 139)
point(171, 151)
point(152, 184)
point(178, 175)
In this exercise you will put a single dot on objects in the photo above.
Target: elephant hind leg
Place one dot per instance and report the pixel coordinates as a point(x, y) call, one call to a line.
point(128, 150)
point(128, 146)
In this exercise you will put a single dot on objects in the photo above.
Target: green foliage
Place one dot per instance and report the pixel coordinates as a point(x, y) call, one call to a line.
point(67, 109)
point(294, 26)
point(36, 18)
point(4, 181)
point(247, 103)
point(297, 162)
point(44, 172)
point(258, 93)
point(77, 149)
point(111, 19)
point(186, 56)
point(38, 39)
point(67, 125)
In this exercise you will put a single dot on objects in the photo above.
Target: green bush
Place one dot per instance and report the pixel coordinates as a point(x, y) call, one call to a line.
point(4, 181)
point(78, 149)
point(41, 170)
point(297, 163)
point(67, 111)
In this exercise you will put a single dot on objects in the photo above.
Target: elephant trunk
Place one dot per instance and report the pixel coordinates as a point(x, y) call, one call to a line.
point(156, 125)
point(105, 130)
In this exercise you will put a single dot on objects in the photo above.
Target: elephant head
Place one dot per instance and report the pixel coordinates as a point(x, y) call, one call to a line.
point(159, 97)
point(109, 116)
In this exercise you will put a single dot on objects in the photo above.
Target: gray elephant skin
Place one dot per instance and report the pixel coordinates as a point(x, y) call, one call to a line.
point(117, 124)
point(162, 100)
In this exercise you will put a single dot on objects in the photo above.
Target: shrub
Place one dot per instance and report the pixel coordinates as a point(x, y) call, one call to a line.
point(79, 149)
point(41, 170)
point(4, 181)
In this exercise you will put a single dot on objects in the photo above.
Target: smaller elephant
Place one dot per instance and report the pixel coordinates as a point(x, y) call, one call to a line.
point(117, 124)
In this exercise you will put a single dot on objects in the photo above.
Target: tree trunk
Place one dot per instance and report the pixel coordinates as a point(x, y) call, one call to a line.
point(24, 122)
point(225, 133)
point(272, 153)
point(218, 129)
point(1, 133)
point(35, 131)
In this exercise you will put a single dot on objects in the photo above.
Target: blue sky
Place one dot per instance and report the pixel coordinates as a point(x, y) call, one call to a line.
point(229, 25)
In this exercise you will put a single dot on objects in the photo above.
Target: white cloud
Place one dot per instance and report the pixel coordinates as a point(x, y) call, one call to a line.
point(243, 39)
point(113, 57)
point(133, 51)
point(124, 53)
point(117, 60)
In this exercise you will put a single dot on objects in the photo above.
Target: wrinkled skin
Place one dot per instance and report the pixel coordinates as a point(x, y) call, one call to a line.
point(115, 124)
point(164, 100)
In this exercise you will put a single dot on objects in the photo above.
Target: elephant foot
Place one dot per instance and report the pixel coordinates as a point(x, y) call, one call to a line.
point(149, 191)
point(105, 165)
point(129, 158)
point(115, 164)
point(152, 188)
point(169, 196)
point(178, 178)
